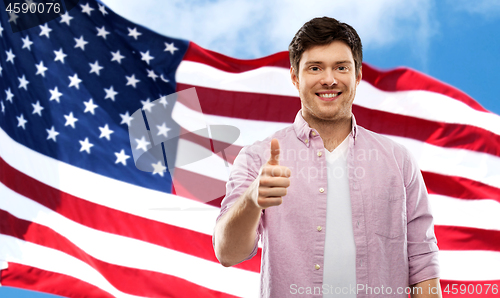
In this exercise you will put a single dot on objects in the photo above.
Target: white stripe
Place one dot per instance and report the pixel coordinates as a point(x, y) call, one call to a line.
point(473, 165)
point(108, 192)
point(116, 249)
point(471, 265)
point(276, 81)
point(33, 255)
point(250, 130)
point(480, 214)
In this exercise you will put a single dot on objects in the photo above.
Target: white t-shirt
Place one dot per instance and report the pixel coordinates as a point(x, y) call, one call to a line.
point(339, 274)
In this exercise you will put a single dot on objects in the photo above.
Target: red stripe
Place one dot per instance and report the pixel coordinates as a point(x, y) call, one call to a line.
point(448, 288)
point(459, 187)
point(405, 79)
point(465, 238)
point(128, 280)
point(399, 79)
point(285, 108)
point(196, 53)
point(26, 277)
point(114, 221)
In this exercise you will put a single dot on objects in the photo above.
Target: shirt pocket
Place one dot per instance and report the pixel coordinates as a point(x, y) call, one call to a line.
point(390, 215)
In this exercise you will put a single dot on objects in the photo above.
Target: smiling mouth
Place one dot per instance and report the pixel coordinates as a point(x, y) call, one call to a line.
point(328, 96)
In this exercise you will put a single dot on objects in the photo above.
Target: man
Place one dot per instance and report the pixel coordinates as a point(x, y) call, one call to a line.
point(340, 210)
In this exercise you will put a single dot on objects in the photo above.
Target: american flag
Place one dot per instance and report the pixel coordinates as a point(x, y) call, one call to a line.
point(78, 219)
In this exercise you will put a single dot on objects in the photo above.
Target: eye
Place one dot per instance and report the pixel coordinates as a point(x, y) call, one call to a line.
point(343, 68)
point(314, 68)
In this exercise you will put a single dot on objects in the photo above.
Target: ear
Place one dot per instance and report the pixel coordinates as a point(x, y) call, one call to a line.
point(295, 79)
point(359, 77)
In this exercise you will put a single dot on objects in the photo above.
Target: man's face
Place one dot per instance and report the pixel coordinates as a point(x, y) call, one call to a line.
point(327, 81)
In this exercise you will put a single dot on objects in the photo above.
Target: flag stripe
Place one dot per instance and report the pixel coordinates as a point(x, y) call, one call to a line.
point(35, 279)
point(129, 280)
point(399, 79)
point(469, 265)
point(145, 255)
point(465, 238)
point(124, 224)
point(284, 109)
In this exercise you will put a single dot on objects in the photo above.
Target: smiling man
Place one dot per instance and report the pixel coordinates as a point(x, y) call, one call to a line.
point(340, 210)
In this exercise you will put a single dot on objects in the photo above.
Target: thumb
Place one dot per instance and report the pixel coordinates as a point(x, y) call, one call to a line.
point(275, 152)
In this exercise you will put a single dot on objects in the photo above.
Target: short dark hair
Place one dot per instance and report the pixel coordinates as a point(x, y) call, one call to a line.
point(323, 31)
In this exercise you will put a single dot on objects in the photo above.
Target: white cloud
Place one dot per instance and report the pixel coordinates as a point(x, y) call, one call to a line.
point(487, 8)
point(251, 29)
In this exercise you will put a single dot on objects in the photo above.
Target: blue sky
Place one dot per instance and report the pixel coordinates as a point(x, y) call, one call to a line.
point(455, 41)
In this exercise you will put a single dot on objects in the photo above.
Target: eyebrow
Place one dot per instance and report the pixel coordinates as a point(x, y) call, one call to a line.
point(321, 62)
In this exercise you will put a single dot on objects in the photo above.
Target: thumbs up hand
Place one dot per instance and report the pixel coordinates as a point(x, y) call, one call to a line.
point(272, 183)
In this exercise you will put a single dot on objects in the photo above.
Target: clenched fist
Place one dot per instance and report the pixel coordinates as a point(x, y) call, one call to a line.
point(271, 184)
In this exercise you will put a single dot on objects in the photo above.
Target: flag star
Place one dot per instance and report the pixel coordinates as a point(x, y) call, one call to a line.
point(37, 108)
point(13, 17)
point(110, 93)
point(151, 74)
point(10, 56)
point(70, 120)
point(52, 134)
point(163, 100)
point(21, 121)
point(23, 83)
point(126, 118)
point(121, 157)
point(147, 105)
point(134, 33)
point(142, 144)
point(117, 57)
point(3, 107)
point(170, 47)
point(80, 43)
point(159, 168)
point(41, 69)
point(95, 67)
point(75, 81)
point(45, 30)
point(86, 8)
point(1, 70)
point(86, 145)
point(146, 57)
point(10, 95)
point(132, 80)
point(102, 9)
point(66, 18)
point(60, 55)
point(163, 129)
point(102, 32)
point(27, 42)
point(90, 106)
point(163, 79)
point(55, 94)
point(105, 132)
point(1, 30)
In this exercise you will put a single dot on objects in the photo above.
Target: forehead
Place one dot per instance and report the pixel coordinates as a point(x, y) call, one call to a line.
point(330, 53)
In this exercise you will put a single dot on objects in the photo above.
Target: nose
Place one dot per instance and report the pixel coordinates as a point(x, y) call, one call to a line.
point(328, 78)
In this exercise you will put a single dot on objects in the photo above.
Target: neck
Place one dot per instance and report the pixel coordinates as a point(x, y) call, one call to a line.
point(332, 132)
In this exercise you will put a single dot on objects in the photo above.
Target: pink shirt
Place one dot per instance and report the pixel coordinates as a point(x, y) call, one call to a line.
point(391, 219)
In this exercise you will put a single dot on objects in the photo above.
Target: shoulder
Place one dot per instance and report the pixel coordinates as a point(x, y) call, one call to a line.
point(377, 141)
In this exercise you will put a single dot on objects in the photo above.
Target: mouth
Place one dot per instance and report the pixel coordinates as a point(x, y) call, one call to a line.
point(328, 96)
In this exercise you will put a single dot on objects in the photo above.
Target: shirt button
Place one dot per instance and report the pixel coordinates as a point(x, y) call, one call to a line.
point(313, 133)
point(320, 153)
point(322, 190)
point(319, 228)
point(317, 266)
point(306, 140)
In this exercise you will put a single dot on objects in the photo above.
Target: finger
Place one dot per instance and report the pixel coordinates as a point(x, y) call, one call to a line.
point(276, 171)
point(272, 191)
point(275, 152)
point(275, 181)
point(269, 202)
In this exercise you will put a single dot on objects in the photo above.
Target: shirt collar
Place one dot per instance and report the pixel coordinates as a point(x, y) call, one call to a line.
point(304, 132)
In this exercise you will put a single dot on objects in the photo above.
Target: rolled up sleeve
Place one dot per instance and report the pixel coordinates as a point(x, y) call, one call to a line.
point(422, 243)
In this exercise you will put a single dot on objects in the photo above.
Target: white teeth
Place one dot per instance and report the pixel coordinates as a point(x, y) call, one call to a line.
point(328, 95)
